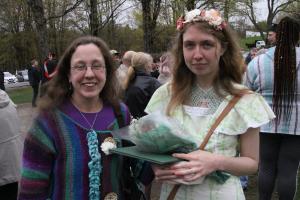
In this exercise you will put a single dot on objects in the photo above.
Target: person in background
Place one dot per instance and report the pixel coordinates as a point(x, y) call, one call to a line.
point(139, 85)
point(155, 66)
point(66, 151)
point(126, 63)
point(34, 80)
point(49, 67)
point(11, 144)
point(48, 71)
point(116, 57)
point(251, 55)
point(276, 76)
point(207, 75)
point(2, 86)
point(165, 68)
point(271, 38)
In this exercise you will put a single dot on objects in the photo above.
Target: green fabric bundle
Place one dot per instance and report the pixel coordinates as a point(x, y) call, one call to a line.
point(156, 133)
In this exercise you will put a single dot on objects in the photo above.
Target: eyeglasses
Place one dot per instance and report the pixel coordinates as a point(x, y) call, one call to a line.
point(81, 67)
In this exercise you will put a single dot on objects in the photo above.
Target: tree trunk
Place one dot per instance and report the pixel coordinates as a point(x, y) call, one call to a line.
point(37, 8)
point(149, 23)
point(94, 24)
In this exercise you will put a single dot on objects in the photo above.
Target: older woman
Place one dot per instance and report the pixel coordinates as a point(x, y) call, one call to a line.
point(207, 75)
point(66, 150)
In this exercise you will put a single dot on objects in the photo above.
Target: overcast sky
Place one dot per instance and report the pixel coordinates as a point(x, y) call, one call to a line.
point(262, 10)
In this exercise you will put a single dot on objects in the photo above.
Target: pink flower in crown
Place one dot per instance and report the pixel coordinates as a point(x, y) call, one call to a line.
point(213, 17)
point(179, 23)
point(223, 25)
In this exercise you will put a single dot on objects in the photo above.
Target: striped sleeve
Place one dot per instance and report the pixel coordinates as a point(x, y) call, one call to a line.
point(38, 159)
point(252, 74)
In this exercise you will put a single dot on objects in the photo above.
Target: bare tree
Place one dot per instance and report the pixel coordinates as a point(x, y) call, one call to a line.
point(94, 21)
point(248, 9)
point(37, 8)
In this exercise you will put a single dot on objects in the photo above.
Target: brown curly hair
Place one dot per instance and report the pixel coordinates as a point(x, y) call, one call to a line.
point(58, 89)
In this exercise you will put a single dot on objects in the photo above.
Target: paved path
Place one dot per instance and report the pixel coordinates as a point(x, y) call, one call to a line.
point(26, 115)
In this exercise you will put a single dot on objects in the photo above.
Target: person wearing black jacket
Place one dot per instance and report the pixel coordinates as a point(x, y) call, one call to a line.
point(139, 84)
point(34, 80)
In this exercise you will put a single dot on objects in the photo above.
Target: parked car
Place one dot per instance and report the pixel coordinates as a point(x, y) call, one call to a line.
point(9, 78)
point(22, 75)
point(260, 43)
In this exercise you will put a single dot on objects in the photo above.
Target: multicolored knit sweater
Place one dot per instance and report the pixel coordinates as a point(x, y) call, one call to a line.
point(55, 158)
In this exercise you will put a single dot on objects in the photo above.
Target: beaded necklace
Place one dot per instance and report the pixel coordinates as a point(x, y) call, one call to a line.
point(95, 163)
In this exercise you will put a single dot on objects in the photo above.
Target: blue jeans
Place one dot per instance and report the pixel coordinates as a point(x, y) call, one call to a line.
point(244, 181)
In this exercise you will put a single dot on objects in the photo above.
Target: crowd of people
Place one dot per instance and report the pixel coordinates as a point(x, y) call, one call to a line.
point(247, 116)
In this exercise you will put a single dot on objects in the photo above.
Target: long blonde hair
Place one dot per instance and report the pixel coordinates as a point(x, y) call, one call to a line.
point(139, 61)
point(230, 66)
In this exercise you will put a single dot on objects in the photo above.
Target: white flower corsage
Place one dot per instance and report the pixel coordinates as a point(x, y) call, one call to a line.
point(108, 144)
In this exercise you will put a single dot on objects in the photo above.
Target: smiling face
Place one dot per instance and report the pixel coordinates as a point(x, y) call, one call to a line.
point(202, 52)
point(87, 73)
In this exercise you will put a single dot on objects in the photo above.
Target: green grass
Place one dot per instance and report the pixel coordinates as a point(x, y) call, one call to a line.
point(249, 40)
point(20, 95)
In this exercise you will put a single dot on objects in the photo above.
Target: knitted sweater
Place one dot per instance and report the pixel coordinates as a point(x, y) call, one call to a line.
point(56, 156)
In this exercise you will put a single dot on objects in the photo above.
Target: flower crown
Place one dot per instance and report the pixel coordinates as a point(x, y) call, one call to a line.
point(211, 16)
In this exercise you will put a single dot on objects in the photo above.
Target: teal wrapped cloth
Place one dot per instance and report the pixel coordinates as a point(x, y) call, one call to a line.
point(219, 176)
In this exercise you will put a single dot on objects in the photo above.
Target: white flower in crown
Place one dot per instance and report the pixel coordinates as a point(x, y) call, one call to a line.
point(190, 16)
point(211, 16)
point(108, 144)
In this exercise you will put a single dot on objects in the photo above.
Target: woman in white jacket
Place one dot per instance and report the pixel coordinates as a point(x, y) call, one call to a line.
point(10, 148)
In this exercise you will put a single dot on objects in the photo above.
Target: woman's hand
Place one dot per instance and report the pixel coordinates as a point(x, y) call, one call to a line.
point(164, 173)
point(198, 163)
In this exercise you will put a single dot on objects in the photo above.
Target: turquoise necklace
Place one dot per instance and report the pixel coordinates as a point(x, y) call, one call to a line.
point(95, 163)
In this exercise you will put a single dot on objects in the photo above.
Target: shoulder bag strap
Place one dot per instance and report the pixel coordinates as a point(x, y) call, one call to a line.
point(226, 110)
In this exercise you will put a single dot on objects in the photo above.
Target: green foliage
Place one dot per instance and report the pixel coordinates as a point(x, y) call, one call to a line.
point(164, 37)
point(16, 50)
point(20, 95)
point(249, 40)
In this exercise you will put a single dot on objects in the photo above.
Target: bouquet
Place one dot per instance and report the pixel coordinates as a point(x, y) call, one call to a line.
point(157, 133)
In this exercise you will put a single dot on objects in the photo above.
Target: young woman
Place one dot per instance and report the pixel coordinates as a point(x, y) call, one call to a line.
point(276, 76)
point(66, 150)
point(207, 74)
